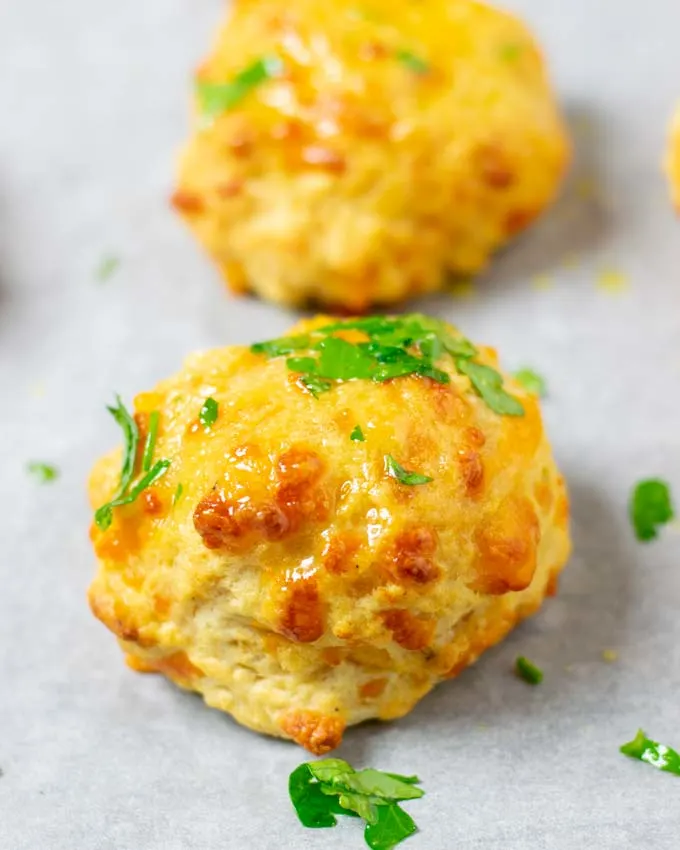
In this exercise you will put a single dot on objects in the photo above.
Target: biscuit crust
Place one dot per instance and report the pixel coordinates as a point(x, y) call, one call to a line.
point(396, 143)
point(294, 583)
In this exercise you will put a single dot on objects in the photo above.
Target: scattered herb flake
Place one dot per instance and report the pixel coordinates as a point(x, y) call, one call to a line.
point(124, 495)
point(396, 470)
point(357, 435)
point(323, 789)
point(650, 507)
point(107, 267)
point(42, 472)
point(104, 515)
point(488, 383)
point(532, 382)
point(528, 671)
point(342, 361)
point(216, 98)
point(150, 443)
point(301, 364)
point(209, 412)
point(392, 826)
point(658, 755)
point(178, 493)
point(412, 62)
point(130, 441)
point(394, 347)
point(315, 385)
point(315, 809)
point(281, 346)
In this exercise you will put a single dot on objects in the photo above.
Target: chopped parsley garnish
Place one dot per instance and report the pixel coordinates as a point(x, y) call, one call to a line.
point(650, 507)
point(130, 441)
point(488, 383)
point(532, 382)
point(396, 470)
point(528, 671)
point(357, 435)
point(104, 515)
point(315, 385)
point(42, 472)
point(150, 443)
point(412, 62)
point(216, 98)
point(178, 493)
point(126, 494)
point(382, 349)
point(107, 267)
point(209, 412)
point(658, 755)
point(321, 790)
point(281, 346)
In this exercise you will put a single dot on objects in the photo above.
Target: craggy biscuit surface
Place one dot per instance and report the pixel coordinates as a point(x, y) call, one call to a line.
point(292, 580)
point(388, 145)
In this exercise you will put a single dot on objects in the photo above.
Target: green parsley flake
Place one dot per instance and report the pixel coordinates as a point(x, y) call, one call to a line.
point(357, 435)
point(321, 790)
point(216, 98)
point(395, 346)
point(107, 267)
point(396, 470)
point(658, 755)
point(528, 671)
point(150, 444)
point(130, 441)
point(209, 412)
point(45, 473)
point(178, 493)
point(532, 382)
point(126, 494)
point(315, 385)
point(104, 515)
point(650, 507)
point(281, 346)
point(488, 383)
point(412, 62)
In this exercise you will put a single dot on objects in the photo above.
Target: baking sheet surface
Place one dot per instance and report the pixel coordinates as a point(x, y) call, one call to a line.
point(94, 757)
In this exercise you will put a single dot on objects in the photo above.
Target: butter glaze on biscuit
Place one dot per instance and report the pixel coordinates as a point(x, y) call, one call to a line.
point(294, 583)
point(397, 143)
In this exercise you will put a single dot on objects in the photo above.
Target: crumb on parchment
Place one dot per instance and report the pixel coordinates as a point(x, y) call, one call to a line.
point(542, 281)
point(612, 281)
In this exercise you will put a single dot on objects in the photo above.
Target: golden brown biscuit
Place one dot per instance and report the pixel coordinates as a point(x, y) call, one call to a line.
point(356, 153)
point(357, 523)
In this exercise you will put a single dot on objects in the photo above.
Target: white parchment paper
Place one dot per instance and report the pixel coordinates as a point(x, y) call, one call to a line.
point(94, 103)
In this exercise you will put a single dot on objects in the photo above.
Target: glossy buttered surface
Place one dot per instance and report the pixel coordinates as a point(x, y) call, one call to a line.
point(302, 578)
point(356, 153)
